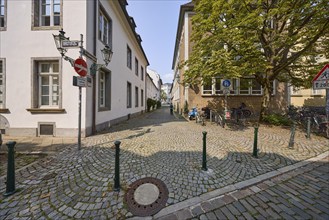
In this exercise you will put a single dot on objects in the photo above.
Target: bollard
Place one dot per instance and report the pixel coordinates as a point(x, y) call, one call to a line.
point(204, 152)
point(255, 148)
point(292, 135)
point(308, 132)
point(171, 109)
point(117, 167)
point(10, 184)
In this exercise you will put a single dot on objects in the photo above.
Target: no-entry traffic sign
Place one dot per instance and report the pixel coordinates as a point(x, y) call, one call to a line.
point(80, 66)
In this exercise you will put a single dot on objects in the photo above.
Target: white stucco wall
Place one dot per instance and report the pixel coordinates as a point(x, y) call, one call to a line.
point(19, 44)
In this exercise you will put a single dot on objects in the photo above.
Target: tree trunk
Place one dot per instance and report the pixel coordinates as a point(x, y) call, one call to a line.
point(266, 98)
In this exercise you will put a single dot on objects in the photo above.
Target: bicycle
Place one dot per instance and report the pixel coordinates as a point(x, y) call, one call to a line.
point(241, 113)
point(218, 119)
point(200, 117)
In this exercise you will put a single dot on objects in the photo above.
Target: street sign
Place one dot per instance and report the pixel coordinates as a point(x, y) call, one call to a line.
point(79, 81)
point(321, 80)
point(70, 44)
point(80, 66)
point(226, 83)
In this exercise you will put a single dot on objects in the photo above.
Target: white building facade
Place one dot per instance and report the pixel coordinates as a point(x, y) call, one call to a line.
point(157, 83)
point(37, 96)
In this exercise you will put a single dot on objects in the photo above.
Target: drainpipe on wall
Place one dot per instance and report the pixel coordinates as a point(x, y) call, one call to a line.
point(93, 126)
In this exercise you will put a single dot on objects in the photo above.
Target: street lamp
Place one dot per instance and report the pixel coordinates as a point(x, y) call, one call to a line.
point(107, 54)
point(63, 44)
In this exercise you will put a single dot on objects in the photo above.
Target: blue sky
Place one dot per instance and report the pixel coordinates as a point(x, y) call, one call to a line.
point(157, 22)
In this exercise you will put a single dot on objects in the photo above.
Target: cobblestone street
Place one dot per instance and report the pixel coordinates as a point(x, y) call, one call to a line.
point(76, 184)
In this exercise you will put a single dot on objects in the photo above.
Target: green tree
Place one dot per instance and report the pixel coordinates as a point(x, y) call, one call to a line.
point(163, 96)
point(269, 39)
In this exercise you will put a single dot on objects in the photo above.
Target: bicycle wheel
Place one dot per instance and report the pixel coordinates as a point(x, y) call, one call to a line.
point(221, 121)
point(246, 113)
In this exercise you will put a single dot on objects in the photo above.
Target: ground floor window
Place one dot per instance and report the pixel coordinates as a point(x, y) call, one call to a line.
point(49, 84)
point(104, 90)
point(2, 83)
point(136, 96)
point(128, 95)
point(242, 86)
point(142, 97)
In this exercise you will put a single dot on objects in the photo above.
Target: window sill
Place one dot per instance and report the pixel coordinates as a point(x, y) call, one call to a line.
point(296, 95)
point(46, 110)
point(46, 28)
point(3, 28)
point(4, 110)
point(103, 109)
point(316, 95)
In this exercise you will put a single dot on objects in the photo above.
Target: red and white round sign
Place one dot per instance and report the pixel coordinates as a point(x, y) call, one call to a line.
point(80, 66)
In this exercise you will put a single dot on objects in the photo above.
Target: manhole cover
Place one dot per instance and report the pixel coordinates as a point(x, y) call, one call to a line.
point(146, 196)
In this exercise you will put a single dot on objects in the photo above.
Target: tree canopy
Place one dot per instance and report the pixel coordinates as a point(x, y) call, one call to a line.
point(273, 39)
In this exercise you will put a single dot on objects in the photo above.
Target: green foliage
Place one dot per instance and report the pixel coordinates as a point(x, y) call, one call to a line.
point(277, 119)
point(268, 40)
point(152, 103)
point(186, 107)
point(158, 104)
point(163, 95)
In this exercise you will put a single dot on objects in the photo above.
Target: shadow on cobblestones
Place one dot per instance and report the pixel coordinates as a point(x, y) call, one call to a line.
point(75, 184)
point(78, 184)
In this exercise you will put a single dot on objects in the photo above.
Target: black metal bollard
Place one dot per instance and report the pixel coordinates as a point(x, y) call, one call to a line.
point(10, 184)
point(292, 135)
point(204, 152)
point(255, 148)
point(117, 167)
point(308, 131)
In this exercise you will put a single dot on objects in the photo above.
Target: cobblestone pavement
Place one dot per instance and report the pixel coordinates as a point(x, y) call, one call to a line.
point(298, 194)
point(79, 184)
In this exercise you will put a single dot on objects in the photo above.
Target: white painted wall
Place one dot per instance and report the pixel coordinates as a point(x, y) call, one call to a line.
point(18, 44)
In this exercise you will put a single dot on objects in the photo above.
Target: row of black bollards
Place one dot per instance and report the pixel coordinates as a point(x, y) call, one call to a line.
point(255, 146)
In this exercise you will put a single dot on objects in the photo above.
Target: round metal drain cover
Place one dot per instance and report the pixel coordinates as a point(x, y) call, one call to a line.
point(146, 196)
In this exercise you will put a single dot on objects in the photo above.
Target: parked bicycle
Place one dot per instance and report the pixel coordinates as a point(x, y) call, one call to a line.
point(241, 113)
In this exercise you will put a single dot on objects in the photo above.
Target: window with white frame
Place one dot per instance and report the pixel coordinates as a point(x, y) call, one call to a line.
point(316, 92)
point(2, 83)
point(207, 88)
point(3, 12)
point(104, 90)
point(129, 57)
point(136, 66)
point(48, 84)
point(136, 97)
point(105, 28)
point(142, 73)
point(242, 86)
point(128, 95)
point(295, 90)
point(47, 13)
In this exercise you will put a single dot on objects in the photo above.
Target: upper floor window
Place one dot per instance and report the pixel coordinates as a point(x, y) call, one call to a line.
point(105, 28)
point(47, 13)
point(2, 83)
point(3, 10)
point(129, 57)
point(136, 66)
point(142, 73)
